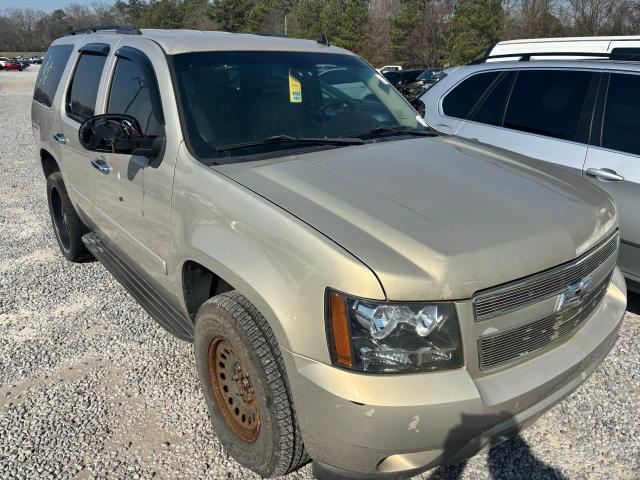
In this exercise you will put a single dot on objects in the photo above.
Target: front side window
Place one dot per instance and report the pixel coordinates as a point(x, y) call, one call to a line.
point(134, 91)
point(460, 101)
point(553, 103)
point(82, 94)
point(50, 73)
point(621, 127)
point(229, 98)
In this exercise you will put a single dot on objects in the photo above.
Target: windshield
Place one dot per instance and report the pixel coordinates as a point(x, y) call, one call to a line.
point(231, 98)
point(430, 74)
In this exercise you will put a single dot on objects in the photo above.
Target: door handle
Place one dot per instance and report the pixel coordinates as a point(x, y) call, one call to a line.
point(101, 165)
point(605, 174)
point(60, 138)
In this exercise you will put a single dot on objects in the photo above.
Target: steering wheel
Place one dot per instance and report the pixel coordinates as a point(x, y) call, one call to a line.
point(335, 103)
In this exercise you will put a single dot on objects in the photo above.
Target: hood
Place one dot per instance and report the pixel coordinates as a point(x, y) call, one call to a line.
point(437, 218)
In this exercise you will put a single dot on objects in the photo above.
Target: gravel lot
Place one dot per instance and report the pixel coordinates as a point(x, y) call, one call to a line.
point(91, 387)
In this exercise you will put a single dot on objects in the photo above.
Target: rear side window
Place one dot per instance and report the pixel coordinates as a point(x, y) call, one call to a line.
point(82, 94)
point(461, 100)
point(621, 128)
point(51, 72)
point(551, 103)
point(134, 91)
point(490, 109)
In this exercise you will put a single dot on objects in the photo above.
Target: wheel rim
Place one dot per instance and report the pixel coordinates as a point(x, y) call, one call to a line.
point(60, 220)
point(233, 390)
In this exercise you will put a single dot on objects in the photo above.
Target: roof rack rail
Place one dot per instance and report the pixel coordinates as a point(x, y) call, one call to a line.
point(526, 57)
point(122, 29)
point(275, 35)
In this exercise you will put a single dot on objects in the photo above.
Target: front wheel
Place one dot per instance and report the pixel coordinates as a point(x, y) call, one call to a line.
point(245, 386)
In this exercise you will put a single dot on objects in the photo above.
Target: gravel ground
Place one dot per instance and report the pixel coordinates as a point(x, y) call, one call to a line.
point(90, 387)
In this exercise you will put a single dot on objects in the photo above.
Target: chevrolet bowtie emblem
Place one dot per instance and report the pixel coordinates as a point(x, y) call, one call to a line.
point(572, 295)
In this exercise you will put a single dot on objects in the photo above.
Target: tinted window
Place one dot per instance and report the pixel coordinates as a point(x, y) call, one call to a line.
point(81, 97)
point(621, 129)
point(393, 77)
point(51, 72)
point(134, 92)
point(550, 102)
point(627, 53)
point(237, 97)
point(463, 98)
point(490, 109)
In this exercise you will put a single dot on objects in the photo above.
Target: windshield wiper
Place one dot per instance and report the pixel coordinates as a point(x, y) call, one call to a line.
point(394, 129)
point(288, 139)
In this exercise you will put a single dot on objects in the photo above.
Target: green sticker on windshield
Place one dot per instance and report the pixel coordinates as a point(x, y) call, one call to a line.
point(295, 89)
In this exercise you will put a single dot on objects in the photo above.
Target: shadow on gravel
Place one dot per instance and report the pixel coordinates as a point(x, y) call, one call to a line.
point(633, 303)
point(509, 455)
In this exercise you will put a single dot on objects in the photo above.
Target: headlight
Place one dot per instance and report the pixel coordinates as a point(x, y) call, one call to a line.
point(390, 337)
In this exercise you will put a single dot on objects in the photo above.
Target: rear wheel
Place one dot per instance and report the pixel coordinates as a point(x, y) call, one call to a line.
point(66, 223)
point(245, 386)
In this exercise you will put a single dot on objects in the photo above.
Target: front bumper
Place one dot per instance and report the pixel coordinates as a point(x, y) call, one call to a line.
point(376, 425)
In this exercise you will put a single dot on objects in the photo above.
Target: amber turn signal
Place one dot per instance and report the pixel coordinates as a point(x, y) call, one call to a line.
point(340, 329)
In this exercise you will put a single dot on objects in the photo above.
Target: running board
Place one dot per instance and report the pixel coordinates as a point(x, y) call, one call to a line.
point(162, 311)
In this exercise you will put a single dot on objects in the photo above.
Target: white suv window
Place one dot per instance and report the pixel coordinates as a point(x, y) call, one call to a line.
point(550, 103)
point(622, 114)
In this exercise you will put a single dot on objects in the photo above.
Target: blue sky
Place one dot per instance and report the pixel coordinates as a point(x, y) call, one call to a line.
point(47, 5)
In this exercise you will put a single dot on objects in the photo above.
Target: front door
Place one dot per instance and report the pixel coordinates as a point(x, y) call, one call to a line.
point(613, 163)
point(132, 194)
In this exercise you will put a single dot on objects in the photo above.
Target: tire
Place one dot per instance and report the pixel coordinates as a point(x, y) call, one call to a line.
point(230, 331)
point(65, 221)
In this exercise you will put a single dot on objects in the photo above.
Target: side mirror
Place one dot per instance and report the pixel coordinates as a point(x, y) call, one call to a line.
point(114, 133)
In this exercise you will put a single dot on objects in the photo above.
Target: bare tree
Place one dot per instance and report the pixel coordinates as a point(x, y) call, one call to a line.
point(378, 35)
point(534, 19)
point(591, 17)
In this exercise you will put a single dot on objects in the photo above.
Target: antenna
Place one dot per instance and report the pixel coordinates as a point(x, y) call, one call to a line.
point(323, 40)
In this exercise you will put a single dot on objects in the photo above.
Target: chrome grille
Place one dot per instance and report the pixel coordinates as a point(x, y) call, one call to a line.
point(519, 342)
point(521, 293)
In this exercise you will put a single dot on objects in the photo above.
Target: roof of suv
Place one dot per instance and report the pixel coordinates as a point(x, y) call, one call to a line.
point(182, 41)
point(593, 63)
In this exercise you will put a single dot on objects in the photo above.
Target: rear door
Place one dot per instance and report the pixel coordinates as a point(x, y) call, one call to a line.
point(80, 104)
point(542, 113)
point(613, 160)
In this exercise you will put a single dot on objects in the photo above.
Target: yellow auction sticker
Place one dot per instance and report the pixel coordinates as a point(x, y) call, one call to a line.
point(295, 89)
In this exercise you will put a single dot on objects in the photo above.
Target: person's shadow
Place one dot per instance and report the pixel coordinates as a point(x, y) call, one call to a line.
point(509, 454)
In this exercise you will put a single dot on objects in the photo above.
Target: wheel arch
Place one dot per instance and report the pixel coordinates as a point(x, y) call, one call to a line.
point(200, 281)
point(199, 284)
point(48, 162)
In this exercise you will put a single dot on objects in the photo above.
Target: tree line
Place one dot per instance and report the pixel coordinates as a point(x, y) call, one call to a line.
point(408, 32)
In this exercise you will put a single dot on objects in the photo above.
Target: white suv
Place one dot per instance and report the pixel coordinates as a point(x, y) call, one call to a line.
point(581, 114)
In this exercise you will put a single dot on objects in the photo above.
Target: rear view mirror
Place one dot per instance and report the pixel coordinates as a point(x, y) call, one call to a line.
point(113, 133)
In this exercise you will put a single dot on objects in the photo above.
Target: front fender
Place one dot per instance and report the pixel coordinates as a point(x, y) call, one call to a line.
point(282, 265)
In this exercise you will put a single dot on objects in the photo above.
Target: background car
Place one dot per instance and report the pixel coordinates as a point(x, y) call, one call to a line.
point(593, 45)
point(12, 64)
point(389, 68)
point(24, 62)
point(429, 77)
point(581, 114)
point(398, 78)
point(413, 89)
point(3, 60)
